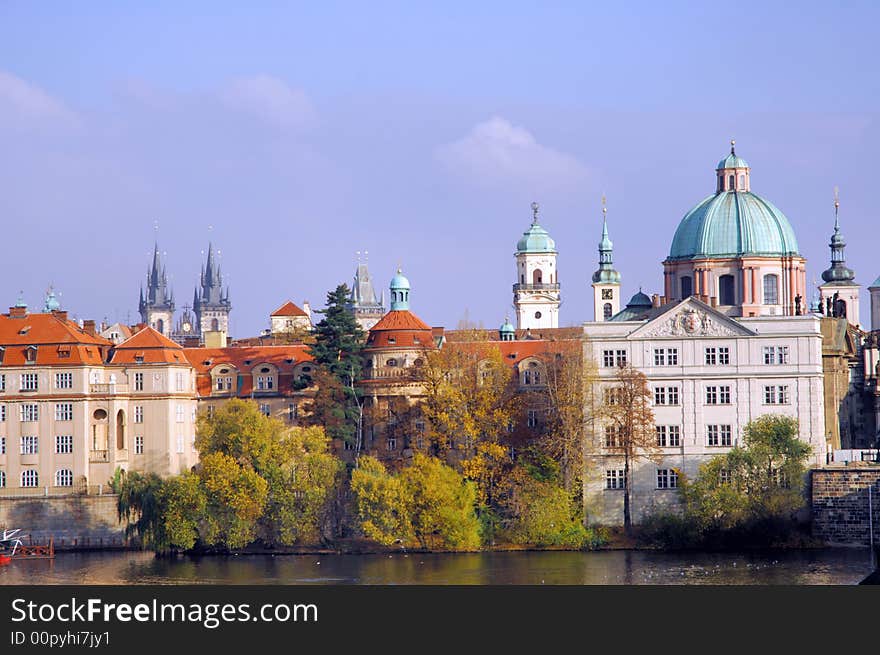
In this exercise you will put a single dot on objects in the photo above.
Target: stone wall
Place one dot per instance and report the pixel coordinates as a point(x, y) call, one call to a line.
point(839, 499)
point(74, 522)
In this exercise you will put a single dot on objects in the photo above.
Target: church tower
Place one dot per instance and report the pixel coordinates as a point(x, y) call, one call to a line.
point(157, 305)
point(363, 304)
point(874, 290)
point(536, 293)
point(840, 292)
point(606, 280)
point(210, 303)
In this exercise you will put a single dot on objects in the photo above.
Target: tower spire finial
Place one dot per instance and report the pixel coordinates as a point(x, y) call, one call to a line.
point(733, 146)
point(535, 207)
point(836, 209)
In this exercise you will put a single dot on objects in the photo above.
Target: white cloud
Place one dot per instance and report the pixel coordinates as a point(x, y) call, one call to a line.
point(271, 100)
point(29, 105)
point(498, 152)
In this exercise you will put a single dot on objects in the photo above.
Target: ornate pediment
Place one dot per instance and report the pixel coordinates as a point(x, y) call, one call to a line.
point(690, 320)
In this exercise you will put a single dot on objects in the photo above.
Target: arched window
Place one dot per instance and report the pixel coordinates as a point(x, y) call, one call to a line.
point(391, 362)
point(742, 182)
point(726, 290)
point(160, 326)
point(730, 182)
point(120, 433)
point(29, 478)
point(771, 289)
point(606, 310)
point(215, 324)
point(687, 287)
point(527, 377)
point(537, 276)
point(63, 478)
point(2, 479)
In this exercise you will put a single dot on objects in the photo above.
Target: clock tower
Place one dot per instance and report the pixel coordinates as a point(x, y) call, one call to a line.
point(536, 291)
point(606, 280)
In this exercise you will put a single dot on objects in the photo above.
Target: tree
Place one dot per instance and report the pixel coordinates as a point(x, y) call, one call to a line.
point(184, 506)
point(757, 484)
point(339, 342)
point(570, 380)
point(139, 504)
point(629, 426)
point(381, 507)
point(470, 395)
point(236, 496)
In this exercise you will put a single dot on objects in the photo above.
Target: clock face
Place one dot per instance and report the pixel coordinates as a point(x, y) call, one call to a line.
point(187, 327)
point(607, 294)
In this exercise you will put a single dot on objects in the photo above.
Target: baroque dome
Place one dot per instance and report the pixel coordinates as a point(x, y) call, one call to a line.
point(536, 239)
point(733, 221)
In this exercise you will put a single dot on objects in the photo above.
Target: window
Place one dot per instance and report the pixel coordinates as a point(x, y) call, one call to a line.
point(771, 290)
point(179, 443)
point(742, 182)
point(527, 377)
point(776, 355)
point(181, 413)
point(2, 479)
point(30, 445)
point(613, 358)
point(64, 380)
point(29, 478)
point(29, 382)
point(615, 479)
point(665, 356)
point(265, 409)
point(138, 381)
point(718, 395)
point(3, 382)
point(718, 435)
point(261, 383)
point(63, 444)
point(2, 445)
point(392, 443)
point(667, 479)
point(178, 381)
point(726, 290)
point(666, 396)
point(64, 411)
point(776, 394)
point(687, 287)
point(612, 437)
point(2, 413)
point(668, 436)
point(139, 445)
point(607, 310)
point(533, 418)
point(711, 359)
point(723, 355)
point(63, 478)
point(717, 355)
point(138, 413)
point(724, 476)
point(613, 396)
point(30, 412)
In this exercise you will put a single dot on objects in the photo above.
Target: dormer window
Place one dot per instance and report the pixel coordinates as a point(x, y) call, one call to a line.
point(391, 362)
point(392, 340)
point(30, 354)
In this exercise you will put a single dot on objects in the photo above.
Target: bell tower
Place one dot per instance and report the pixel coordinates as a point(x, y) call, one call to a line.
point(840, 291)
point(606, 280)
point(536, 293)
point(211, 303)
point(157, 304)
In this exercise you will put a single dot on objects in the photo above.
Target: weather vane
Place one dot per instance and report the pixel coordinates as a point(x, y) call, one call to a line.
point(535, 207)
point(604, 208)
point(836, 207)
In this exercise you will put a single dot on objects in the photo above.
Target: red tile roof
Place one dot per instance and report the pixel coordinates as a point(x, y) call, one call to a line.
point(513, 352)
point(400, 319)
point(148, 347)
point(246, 359)
point(289, 309)
point(58, 341)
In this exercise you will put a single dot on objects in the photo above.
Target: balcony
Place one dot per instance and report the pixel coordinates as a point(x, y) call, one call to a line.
point(99, 456)
point(108, 388)
point(389, 372)
point(536, 287)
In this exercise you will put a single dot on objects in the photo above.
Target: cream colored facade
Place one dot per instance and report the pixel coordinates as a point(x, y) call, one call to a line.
point(89, 420)
point(725, 372)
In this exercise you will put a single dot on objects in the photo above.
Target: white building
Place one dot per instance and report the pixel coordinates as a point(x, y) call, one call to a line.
point(536, 291)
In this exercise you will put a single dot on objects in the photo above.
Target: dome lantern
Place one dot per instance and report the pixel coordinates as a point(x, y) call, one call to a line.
point(732, 172)
point(399, 292)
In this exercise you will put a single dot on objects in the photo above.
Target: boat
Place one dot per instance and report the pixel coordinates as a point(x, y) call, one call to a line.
point(9, 544)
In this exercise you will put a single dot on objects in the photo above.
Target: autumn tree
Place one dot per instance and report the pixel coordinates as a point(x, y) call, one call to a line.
point(337, 348)
point(382, 510)
point(629, 426)
point(470, 396)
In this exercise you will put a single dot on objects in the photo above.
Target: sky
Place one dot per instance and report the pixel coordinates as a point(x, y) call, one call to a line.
point(294, 135)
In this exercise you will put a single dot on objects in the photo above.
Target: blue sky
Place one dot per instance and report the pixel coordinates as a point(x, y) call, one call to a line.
point(293, 135)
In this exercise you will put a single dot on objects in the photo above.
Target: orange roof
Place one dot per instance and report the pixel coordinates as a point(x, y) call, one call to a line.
point(148, 347)
point(400, 319)
point(245, 359)
point(57, 341)
point(548, 334)
point(289, 309)
point(513, 352)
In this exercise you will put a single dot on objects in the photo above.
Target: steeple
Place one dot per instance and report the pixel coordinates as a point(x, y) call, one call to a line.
point(362, 303)
point(606, 272)
point(536, 296)
point(211, 302)
point(156, 303)
point(840, 291)
point(838, 272)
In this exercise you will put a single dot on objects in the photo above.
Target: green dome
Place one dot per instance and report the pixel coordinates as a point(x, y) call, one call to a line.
point(535, 240)
point(507, 327)
point(732, 161)
point(637, 309)
point(732, 224)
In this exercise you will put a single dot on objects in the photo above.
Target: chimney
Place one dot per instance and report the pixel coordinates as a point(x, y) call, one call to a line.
point(61, 315)
point(307, 308)
point(17, 312)
point(89, 328)
point(655, 300)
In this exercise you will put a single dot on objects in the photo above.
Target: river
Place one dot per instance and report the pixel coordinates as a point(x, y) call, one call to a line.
point(805, 567)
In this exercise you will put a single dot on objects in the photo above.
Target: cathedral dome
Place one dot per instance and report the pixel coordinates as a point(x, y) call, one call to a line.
point(734, 221)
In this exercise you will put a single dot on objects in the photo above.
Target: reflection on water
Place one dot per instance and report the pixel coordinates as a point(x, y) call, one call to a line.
point(831, 566)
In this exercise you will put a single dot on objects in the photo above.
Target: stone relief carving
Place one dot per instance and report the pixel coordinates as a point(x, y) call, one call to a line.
point(690, 323)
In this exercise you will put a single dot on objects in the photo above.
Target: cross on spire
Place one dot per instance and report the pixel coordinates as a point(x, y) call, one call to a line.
point(535, 207)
